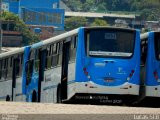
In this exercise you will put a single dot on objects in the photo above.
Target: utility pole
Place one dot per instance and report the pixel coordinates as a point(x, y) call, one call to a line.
point(1, 34)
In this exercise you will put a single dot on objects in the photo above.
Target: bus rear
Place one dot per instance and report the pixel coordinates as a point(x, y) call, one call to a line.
point(153, 65)
point(108, 63)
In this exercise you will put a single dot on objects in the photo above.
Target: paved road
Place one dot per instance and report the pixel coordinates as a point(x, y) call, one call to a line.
point(49, 111)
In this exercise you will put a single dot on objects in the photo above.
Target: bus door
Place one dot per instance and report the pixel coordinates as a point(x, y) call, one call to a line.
point(64, 77)
point(14, 76)
point(42, 59)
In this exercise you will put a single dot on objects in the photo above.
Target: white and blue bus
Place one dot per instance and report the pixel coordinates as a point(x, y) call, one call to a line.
point(151, 60)
point(93, 61)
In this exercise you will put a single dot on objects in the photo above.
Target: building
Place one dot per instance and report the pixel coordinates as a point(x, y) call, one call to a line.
point(121, 23)
point(37, 12)
point(11, 38)
point(44, 32)
point(152, 25)
point(137, 23)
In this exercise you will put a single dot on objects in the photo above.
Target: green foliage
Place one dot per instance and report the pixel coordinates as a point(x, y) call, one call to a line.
point(151, 14)
point(75, 22)
point(75, 5)
point(136, 6)
point(28, 37)
point(88, 5)
point(99, 22)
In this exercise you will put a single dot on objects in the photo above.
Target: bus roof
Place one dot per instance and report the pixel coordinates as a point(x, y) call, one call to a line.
point(5, 54)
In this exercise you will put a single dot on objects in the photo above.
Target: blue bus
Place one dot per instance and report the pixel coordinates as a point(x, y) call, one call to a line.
point(95, 63)
point(108, 64)
point(151, 61)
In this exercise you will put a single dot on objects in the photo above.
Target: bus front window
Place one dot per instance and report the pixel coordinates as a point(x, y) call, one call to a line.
point(110, 43)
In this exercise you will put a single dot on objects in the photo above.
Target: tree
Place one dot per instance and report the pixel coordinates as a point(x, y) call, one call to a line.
point(137, 6)
point(88, 5)
point(101, 7)
point(75, 22)
point(99, 22)
point(74, 5)
point(28, 37)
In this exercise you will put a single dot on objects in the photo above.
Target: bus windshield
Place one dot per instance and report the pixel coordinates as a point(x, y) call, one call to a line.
point(110, 43)
point(157, 45)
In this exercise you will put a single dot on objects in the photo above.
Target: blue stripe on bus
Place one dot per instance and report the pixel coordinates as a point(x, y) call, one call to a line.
point(26, 55)
point(50, 87)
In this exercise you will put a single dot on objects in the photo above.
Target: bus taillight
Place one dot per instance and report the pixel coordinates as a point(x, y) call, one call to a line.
point(85, 71)
point(155, 75)
point(130, 75)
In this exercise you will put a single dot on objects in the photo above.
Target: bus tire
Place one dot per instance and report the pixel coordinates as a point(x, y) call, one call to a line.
point(7, 98)
point(59, 94)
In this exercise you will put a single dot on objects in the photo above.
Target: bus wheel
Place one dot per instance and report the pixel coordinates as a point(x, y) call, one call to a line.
point(7, 98)
point(34, 96)
point(59, 99)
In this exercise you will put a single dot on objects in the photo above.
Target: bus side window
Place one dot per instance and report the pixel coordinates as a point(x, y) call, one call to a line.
point(32, 58)
point(48, 57)
point(22, 58)
point(6, 68)
point(29, 66)
point(37, 60)
point(3, 69)
point(73, 49)
point(29, 71)
point(32, 54)
point(11, 61)
point(18, 66)
point(60, 49)
point(54, 57)
point(9, 68)
point(47, 49)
